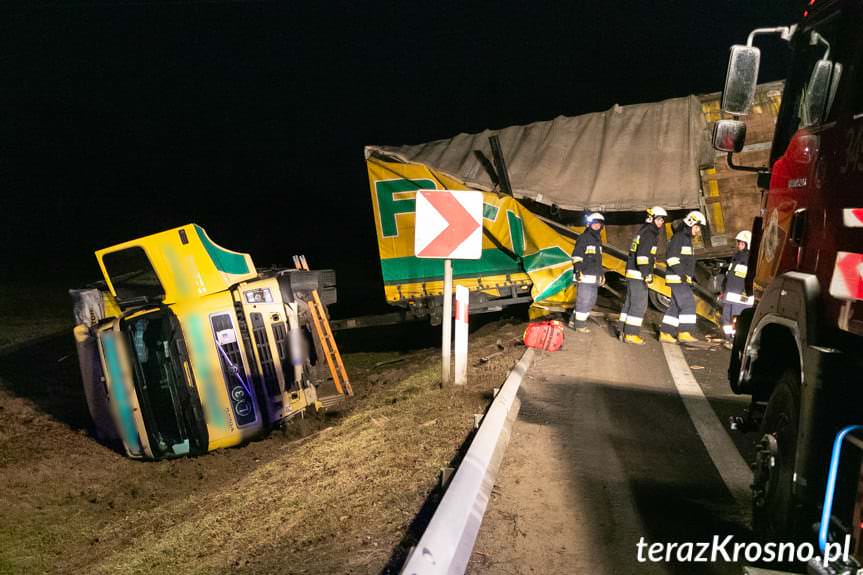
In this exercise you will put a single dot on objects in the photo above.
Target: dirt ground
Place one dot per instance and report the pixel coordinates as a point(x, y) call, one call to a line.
point(348, 492)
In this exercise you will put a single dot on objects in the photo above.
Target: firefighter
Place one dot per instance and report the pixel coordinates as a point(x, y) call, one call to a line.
point(734, 298)
point(639, 275)
point(679, 320)
point(587, 271)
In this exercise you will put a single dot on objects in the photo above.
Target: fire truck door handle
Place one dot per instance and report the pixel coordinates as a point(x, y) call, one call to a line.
point(798, 227)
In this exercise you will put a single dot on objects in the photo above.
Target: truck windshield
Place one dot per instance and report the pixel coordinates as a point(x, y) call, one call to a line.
point(169, 402)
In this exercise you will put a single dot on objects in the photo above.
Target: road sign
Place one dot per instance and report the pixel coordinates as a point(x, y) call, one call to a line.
point(852, 217)
point(448, 225)
point(847, 280)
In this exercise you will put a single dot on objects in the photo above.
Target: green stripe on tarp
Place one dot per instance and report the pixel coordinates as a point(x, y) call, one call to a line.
point(412, 269)
point(489, 212)
point(558, 285)
point(119, 395)
point(545, 257)
point(516, 233)
point(389, 207)
point(225, 261)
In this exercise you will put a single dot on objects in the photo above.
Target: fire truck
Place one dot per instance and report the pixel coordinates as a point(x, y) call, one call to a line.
point(798, 351)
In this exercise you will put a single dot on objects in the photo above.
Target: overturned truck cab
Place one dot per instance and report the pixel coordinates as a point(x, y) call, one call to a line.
point(187, 348)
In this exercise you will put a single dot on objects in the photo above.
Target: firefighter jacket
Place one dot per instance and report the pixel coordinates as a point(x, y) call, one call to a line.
point(735, 279)
point(679, 258)
point(587, 257)
point(642, 252)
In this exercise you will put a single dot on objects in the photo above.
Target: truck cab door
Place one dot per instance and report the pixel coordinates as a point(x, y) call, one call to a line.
point(786, 210)
point(119, 386)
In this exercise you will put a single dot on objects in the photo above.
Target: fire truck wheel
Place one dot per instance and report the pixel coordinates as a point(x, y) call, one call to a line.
point(744, 320)
point(774, 505)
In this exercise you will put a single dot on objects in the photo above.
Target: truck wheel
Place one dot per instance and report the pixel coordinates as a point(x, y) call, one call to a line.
point(774, 505)
point(744, 320)
point(660, 302)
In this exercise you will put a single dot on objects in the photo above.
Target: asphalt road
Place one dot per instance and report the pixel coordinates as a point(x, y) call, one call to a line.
point(605, 453)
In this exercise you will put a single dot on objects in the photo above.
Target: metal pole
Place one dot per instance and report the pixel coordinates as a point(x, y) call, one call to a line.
point(462, 301)
point(500, 165)
point(446, 343)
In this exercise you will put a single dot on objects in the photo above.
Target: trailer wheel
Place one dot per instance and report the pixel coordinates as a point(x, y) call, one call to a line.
point(774, 505)
point(660, 302)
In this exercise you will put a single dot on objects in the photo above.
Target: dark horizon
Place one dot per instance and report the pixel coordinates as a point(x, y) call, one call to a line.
point(250, 118)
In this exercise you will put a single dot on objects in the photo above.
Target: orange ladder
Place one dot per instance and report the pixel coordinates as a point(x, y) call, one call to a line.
point(325, 335)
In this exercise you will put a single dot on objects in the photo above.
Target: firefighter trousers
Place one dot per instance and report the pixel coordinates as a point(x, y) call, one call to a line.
point(730, 310)
point(585, 299)
point(680, 316)
point(634, 306)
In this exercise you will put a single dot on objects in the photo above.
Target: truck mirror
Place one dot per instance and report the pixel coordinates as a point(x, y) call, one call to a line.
point(729, 135)
point(740, 80)
point(817, 91)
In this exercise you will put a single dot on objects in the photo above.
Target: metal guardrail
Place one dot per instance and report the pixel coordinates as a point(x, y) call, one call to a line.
point(447, 543)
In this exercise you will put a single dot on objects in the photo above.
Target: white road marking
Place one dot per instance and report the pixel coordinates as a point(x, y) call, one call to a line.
point(732, 468)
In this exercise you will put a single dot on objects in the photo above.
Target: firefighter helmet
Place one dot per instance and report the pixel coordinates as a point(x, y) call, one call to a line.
point(695, 217)
point(656, 212)
point(746, 237)
point(595, 217)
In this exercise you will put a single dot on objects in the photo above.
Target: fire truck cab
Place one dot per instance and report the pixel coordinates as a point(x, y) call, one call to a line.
point(798, 352)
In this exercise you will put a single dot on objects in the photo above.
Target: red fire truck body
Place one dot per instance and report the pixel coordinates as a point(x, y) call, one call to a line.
point(799, 351)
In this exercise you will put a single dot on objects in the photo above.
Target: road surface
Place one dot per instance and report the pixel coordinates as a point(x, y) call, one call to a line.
point(606, 452)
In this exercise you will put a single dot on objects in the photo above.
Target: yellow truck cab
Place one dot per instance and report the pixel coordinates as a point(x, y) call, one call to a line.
point(188, 348)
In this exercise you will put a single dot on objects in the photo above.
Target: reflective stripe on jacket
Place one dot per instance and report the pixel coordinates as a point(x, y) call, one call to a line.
point(735, 276)
point(680, 257)
point(642, 252)
point(587, 255)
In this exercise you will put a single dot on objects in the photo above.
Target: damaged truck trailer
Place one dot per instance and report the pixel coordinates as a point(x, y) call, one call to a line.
point(619, 162)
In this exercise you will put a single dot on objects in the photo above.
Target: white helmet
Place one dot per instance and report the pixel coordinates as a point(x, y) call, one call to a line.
point(695, 217)
point(595, 217)
point(746, 237)
point(656, 212)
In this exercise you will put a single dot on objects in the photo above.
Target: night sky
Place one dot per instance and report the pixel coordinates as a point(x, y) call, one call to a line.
point(249, 118)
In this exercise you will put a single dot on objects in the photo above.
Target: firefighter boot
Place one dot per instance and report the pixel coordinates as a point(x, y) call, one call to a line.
point(686, 337)
point(667, 338)
point(635, 339)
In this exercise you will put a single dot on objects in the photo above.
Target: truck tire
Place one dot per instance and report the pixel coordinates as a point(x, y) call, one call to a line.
point(744, 320)
point(660, 302)
point(774, 505)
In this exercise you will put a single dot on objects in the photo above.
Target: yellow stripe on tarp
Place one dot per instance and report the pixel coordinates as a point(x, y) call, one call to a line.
point(717, 220)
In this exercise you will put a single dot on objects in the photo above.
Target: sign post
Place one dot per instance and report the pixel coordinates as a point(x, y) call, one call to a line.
point(448, 227)
point(446, 341)
point(462, 300)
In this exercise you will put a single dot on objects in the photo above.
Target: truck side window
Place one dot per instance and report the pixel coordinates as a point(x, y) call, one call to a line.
point(132, 274)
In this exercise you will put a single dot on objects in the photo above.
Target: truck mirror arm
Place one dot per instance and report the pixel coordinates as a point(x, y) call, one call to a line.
point(785, 32)
point(733, 166)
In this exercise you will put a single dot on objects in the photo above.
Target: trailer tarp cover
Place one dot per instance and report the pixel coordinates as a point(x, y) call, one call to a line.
point(624, 159)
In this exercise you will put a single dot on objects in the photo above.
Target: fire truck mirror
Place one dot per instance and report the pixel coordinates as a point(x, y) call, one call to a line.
point(740, 80)
point(729, 135)
point(816, 92)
